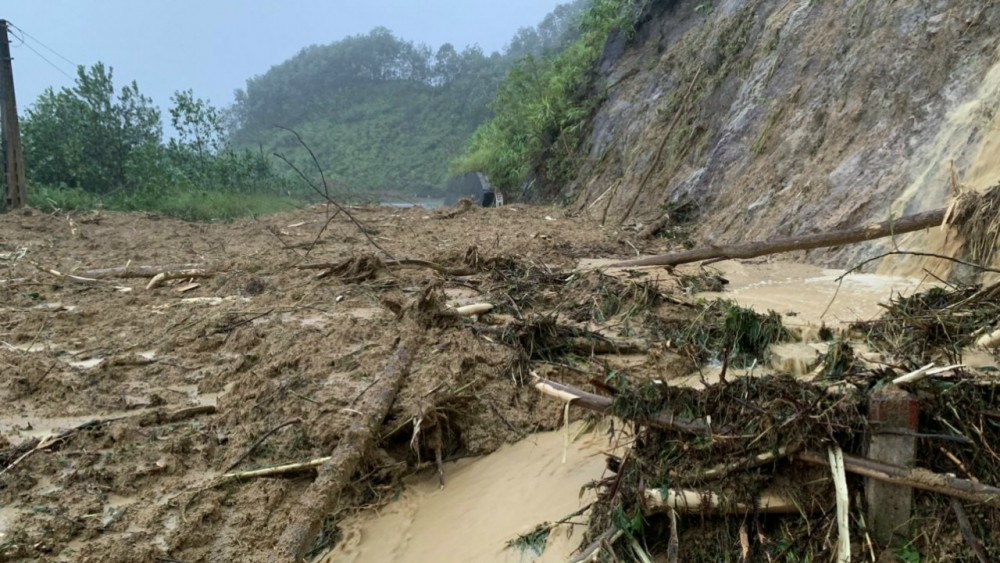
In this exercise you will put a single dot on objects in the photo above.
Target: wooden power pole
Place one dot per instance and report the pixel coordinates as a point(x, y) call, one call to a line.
point(17, 192)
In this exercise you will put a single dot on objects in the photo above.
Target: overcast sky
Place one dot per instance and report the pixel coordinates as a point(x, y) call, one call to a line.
point(213, 46)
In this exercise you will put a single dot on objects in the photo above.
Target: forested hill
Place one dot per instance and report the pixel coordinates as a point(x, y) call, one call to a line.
point(384, 114)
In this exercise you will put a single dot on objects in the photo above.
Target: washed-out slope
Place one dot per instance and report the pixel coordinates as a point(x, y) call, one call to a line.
point(788, 117)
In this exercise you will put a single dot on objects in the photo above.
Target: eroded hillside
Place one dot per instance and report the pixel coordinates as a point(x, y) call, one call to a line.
point(787, 117)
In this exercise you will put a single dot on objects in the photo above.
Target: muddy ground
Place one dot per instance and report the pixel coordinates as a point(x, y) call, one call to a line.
point(122, 405)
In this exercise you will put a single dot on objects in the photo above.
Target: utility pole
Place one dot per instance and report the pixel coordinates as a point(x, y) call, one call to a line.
point(10, 130)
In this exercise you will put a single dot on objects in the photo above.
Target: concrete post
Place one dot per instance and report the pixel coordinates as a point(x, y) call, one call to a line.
point(893, 416)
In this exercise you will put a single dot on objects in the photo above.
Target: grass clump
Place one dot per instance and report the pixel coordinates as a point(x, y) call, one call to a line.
point(726, 332)
point(186, 204)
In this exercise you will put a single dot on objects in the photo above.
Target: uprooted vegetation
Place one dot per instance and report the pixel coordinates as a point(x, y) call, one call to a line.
point(292, 374)
point(184, 418)
point(739, 470)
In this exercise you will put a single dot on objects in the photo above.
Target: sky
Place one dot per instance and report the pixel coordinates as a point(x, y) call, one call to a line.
point(214, 46)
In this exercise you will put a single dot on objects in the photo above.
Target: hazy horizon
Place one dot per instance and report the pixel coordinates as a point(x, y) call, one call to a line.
point(214, 47)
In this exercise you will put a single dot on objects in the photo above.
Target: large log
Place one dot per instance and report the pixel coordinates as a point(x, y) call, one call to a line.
point(335, 473)
point(892, 227)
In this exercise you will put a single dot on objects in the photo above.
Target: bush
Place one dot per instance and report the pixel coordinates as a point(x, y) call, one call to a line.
point(88, 145)
point(190, 205)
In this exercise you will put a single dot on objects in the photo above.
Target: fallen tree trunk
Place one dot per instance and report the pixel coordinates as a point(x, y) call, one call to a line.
point(336, 471)
point(902, 225)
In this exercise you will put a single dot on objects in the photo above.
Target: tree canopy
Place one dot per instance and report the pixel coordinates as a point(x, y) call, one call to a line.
point(384, 114)
point(92, 142)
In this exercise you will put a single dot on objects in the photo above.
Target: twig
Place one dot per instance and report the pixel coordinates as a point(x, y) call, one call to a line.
point(325, 194)
point(45, 321)
point(35, 385)
point(322, 175)
point(69, 277)
point(970, 536)
point(864, 263)
point(161, 277)
point(320, 234)
point(758, 460)
point(963, 518)
point(593, 551)
point(274, 471)
point(673, 545)
point(260, 440)
point(55, 439)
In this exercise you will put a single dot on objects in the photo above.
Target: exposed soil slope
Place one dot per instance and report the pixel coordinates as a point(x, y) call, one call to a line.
point(780, 117)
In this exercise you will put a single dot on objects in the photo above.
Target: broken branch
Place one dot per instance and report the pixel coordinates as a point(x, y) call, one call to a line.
point(915, 478)
point(260, 441)
point(597, 403)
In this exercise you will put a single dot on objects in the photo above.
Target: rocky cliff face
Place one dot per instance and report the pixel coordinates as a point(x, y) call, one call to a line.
point(779, 117)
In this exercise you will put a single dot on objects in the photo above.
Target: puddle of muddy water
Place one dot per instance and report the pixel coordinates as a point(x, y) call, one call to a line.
point(805, 295)
point(808, 295)
point(486, 502)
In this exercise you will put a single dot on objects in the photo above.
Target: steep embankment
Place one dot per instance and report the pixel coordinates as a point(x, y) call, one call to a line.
point(784, 117)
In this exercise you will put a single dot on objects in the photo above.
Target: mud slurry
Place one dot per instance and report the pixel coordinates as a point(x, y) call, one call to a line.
point(122, 406)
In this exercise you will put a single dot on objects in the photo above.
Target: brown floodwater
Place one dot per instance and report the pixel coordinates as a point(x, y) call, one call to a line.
point(490, 500)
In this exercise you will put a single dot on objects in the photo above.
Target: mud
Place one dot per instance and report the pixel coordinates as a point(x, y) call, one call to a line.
point(261, 341)
point(486, 503)
point(124, 406)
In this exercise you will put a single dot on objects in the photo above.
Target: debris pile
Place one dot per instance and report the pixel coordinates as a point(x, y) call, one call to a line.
point(747, 468)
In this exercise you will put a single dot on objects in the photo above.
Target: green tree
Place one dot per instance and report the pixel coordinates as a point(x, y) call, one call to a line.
point(90, 137)
point(382, 113)
point(107, 145)
point(542, 106)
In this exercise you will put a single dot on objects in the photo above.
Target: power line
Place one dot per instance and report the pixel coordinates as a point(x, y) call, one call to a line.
point(41, 56)
point(39, 41)
point(52, 64)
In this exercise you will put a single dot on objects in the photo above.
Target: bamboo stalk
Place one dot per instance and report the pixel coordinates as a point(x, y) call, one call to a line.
point(687, 501)
point(916, 478)
point(902, 225)
point(597, 403)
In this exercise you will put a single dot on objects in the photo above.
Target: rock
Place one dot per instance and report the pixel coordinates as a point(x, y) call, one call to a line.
point(795, 358)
